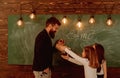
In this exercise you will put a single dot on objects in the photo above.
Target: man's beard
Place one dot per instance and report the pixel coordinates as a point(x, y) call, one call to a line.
point(52, 34)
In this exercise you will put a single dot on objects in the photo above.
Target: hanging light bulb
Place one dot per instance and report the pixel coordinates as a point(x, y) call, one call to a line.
point(20, 21)
point(64, 20)
point(79, 23)
point(109, 21)
point(32, 15)
point(92, 20)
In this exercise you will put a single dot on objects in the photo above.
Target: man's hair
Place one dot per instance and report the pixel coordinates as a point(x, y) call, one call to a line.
point(53, 21)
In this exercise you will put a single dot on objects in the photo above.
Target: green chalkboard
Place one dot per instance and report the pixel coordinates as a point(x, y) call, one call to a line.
point(21, 39)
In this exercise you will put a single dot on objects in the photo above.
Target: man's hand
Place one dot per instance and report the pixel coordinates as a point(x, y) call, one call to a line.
point(60, 45)
point(46, 70)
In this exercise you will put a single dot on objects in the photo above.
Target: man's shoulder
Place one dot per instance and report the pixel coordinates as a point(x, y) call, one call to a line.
point(41, 34)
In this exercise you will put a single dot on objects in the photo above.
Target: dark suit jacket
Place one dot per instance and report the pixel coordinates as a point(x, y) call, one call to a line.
point(43, 52)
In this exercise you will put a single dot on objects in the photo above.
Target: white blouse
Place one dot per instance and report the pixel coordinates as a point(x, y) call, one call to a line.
point(89, 71)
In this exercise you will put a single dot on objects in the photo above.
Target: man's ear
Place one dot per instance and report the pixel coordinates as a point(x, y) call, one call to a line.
point(50, 26)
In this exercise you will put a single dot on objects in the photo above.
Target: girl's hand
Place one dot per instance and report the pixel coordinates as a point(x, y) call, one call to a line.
point(65, 56)
point(60, 47)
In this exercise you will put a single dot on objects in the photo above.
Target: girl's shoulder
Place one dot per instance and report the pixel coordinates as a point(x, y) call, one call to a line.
point(103, 62)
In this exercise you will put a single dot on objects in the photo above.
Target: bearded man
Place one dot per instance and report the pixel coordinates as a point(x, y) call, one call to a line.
point(43, 51)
